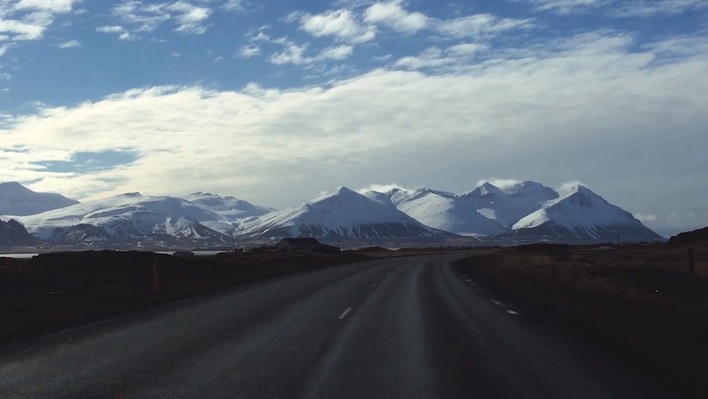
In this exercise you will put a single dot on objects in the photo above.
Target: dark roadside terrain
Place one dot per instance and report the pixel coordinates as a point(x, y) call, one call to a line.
point(56, 291)
point(410, 327)
point(640, 303)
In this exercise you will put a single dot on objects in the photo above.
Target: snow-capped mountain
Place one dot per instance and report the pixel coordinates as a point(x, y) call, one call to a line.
point(521, 212)
point(17, 200)
point(129, 219)
point(343, 214)
point(14, 234)
point(580, 215)
point(507, 205)
point(233, 210)
point(440, 210)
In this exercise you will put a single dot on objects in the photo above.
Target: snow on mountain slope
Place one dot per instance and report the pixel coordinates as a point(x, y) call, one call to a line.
point(17, 200)
point(582, 215)
point(445, 211)
point(341, 214)
point(508, 204)
point(229, 207)
point(129, 218)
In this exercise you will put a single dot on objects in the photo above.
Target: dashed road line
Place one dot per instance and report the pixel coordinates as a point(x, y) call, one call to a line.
point(511, 312)
point(374, 285)
point(345, 313)
point(496, 302)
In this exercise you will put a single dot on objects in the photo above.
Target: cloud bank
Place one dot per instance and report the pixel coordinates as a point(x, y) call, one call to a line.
point(589, 107)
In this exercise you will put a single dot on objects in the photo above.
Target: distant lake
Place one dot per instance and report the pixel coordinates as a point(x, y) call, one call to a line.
point(17, 256)
point(30, 255)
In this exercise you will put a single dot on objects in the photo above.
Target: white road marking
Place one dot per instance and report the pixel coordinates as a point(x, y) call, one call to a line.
point(505, 308)
point(345, 313)
point(374, 285)
point(56, 334)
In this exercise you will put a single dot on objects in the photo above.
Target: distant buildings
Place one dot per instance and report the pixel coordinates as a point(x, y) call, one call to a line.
point(298, 244)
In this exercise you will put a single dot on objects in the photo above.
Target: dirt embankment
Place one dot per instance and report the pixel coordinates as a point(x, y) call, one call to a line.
point(55, 291)
point(639, 303)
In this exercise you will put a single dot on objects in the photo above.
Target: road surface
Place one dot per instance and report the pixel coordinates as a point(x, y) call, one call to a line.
point(391, 328)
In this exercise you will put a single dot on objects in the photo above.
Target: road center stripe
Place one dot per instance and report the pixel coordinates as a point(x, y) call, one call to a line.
point(345, 313)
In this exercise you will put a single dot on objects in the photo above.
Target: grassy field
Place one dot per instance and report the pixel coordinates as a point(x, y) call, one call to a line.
point(640, 303)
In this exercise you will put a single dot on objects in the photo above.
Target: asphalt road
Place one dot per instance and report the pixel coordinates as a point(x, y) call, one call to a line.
point(393, 328)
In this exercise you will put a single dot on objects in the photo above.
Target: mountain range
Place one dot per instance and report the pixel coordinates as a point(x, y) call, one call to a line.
point(522, 212)
point(16, 199)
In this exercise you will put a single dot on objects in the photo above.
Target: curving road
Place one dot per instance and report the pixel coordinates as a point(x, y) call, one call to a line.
point(392, 328)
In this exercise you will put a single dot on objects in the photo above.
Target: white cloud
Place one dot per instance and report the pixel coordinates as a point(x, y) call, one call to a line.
point(348, 25)
point(587, 108)
point(190, 19)
point(295, 54)
point(335, 53)
point(292, 54)
point(146, 18)
point(122, 33)
point(451, 58)
point(644, 217)
point(383, 188)
point(501, 183)
point(4, 48)
point(395, 16)
point(569, 186)
point(429, 58)
point(235, 5)
point(480, 26)
point(623, 8)
point(54, 6)
point(26, 20)
point(249, 51)
point(21, 31)
point(70, 44)
point(641, 8)
point(567, 6)
point(341, 24)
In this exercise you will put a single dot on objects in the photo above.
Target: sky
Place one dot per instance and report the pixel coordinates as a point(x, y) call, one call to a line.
point(277, 101)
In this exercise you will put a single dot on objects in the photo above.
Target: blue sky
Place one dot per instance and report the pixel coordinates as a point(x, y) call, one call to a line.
point(277, 101)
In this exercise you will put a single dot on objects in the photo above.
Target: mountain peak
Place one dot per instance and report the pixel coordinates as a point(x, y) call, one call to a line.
point(581, 215)
point(343, 213)
point(13, 186)
point(18, 200)
point(341, 191)
point(487, 188)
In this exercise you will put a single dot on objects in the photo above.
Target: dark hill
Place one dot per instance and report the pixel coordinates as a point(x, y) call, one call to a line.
point(694, 237)
point(13, 234)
